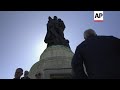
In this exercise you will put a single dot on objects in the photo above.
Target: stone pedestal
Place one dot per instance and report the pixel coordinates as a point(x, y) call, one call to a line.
point(54, 63)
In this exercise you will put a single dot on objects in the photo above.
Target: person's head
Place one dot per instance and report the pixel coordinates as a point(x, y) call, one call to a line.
point(18, 73)
point(88, 33)
point(26, 73)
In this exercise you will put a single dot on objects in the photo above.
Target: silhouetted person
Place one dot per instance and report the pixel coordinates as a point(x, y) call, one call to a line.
point(99, 54)
point(18, 73)
point(25, 75)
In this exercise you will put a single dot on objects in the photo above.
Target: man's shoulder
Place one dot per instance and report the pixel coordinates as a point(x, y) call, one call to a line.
point(97, 38)
point(108, 37)
point(81, 45)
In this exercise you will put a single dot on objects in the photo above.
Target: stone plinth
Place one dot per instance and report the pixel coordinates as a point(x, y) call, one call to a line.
point(55, 62)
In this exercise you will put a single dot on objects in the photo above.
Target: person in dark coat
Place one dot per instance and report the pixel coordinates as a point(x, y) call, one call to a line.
point(18, 73)
point(99, 54)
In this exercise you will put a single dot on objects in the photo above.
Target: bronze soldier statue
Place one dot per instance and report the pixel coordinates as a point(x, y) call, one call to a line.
point(55, 32)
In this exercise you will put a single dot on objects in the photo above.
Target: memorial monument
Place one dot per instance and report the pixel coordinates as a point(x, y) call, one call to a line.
point(55, 61)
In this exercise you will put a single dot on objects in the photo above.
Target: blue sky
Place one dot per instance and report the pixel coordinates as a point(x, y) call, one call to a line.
point(22, 34)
